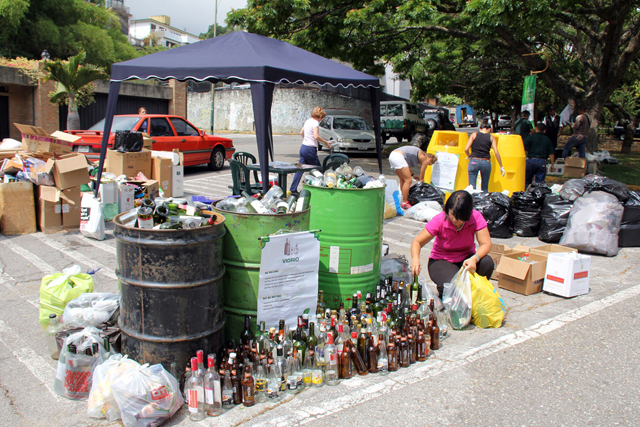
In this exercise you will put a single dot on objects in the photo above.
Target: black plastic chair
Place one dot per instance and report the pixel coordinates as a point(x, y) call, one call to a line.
point(242, 179)
point(246, 159)
point(333, 161)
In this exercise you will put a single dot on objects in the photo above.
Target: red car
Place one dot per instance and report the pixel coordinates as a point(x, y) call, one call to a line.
point(167, 132)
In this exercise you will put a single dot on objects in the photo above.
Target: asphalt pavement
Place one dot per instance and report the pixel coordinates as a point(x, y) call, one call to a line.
point(556, 361)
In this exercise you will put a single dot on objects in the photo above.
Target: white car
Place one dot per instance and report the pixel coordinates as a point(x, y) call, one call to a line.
point(347, 134)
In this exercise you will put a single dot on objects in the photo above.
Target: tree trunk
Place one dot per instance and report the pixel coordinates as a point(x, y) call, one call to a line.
point(73, 118)
point(629, 133)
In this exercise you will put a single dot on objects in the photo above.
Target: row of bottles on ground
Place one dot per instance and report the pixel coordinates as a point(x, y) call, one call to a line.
point(272, 202)
point(336, 347)
point(167, 214)
point(343, 177)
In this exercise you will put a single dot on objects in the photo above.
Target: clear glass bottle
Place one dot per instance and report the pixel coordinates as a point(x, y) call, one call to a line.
point(227, 390)
point(330, 178)
point(194, 390)
point(331, 362)
point(307, 367)
point(253, 204)
point(261, 384)
point(273, 383)
point(212, 389)
point(383, 361)
point(303, 200)
point(50, 335)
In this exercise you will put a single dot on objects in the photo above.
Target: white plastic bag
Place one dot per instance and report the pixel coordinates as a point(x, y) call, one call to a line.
point(457, 299)
point(91, 217)
point(147, 396)
point(101, 403)
point(424, 211)
point(392, 196)
point(91, 309)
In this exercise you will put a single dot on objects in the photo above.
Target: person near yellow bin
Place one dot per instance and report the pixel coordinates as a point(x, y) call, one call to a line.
point(480, 144)
point(454, 231)
point(402, 160)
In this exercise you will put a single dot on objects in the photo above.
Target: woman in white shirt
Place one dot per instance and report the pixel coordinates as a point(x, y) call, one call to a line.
point(309, 148)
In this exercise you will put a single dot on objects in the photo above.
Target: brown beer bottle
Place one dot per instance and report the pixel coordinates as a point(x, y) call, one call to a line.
point(372, 353)
point(345, 364)
point(404, 360)
point(413, 349)
point(361, 367)
point(392, 354)
point(248, 387)
point(435, 335)
point(423, 348)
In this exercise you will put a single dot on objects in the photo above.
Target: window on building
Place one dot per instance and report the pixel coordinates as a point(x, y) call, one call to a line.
point(153, 27)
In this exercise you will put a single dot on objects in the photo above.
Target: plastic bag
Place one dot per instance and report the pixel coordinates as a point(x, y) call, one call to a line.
point(101, 403)
point(457, 299)
point(147, 396)
point(594, 224)
point(424, 211)
point(539, 189)
point(496, 210)
point(602, 183)
point(389, 212)
point(91, 217)
point(554, 217)
point(631, 214)
point(127, 141)
point(392, 196)
point(75, 368)
point(57, 289)
point(572, 189)
point(92, 309)
point(397, 266)
point(422, 192)
point(488, 307)
point(439, 308)
point(526, 210)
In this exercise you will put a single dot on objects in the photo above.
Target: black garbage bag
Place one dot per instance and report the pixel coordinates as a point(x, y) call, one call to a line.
point(526, 208)
point(631, 213)
point(554, 217)
point(539, 189)
point(572, 189)
point(602, 183)
point(423, 192)
point(496, 210)
point(127, 141)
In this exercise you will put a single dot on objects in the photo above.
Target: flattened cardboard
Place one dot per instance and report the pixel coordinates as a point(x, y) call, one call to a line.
point(71, 208)
point(147, 142)
point(128, 164)
point(17, 208)
point(519, 276)
point(161, 172)
point(567, 275)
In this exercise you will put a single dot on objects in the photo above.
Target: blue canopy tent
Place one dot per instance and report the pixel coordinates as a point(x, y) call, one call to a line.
point(243, 57)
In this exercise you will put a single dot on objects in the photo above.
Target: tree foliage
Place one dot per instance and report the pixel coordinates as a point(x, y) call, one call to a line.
point(220, 30)
point(64, 28)
point(468, 48)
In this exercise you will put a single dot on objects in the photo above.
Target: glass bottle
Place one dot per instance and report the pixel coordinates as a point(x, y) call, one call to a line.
point(281, 363)
point(312, 339)
point(161, 214)
point(303, 200)
point(362, 346)
point(212, 389)
point(246, 337)
point(272, 195)
point(383, 360)
point(392, 355)
point(413, 349)
point(273, 383)
point(345, 365)
point(321, 306)
point(331, 361)
point(236, 384)
point(254, 205)
point(194, 390)
point(201, 369)
point(435, 335)
point(282, 207)
point(415, 290)
point(248, 387)
point(291, 203)
point(423, 349)
point(307, 367)
point(317, 373)
point(403, 360)
point(372, 355)
point(50, 334)
point(292, 379)
point(361, 367)
point(330, 178)
point(227, 389)
point(145, 218)
point(354, 310)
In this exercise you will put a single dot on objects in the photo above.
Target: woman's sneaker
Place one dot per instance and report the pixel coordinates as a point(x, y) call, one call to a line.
point(405, 205)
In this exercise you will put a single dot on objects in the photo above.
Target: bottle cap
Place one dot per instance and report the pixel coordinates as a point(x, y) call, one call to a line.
point(194, 364)
point(200, 356)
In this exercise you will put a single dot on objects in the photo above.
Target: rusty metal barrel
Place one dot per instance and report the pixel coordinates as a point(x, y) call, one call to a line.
point(171, 301)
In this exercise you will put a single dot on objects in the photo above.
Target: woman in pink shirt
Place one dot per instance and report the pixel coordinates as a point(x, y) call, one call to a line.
point(454, 247)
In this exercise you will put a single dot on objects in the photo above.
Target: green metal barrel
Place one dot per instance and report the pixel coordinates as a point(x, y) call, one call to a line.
point(242, 253)
point(350, 221)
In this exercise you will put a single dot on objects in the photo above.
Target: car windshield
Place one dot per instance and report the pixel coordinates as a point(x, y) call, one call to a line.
point(349, 123)
point(119, 123)
point(394, 110)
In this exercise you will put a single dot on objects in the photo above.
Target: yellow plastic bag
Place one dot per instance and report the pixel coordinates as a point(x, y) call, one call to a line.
point(488, 308)
point(57, 289)
point(389, 212)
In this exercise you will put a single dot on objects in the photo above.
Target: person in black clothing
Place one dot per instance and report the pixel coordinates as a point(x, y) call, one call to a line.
point(480, 144)
point(523, 126)
point(538, 147)
point(552, 122)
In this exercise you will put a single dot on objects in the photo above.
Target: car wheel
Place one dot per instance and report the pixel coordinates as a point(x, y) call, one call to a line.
point(217, 159)
point(431, 124)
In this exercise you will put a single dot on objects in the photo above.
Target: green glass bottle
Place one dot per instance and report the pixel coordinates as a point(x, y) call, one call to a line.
point(161, 214)
point(303, 200)
point(312, 340)
point(415, 290)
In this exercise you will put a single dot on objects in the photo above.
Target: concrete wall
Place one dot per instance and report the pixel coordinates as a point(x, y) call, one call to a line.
point(233, 109)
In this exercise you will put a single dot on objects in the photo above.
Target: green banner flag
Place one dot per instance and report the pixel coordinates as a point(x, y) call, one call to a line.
point(528, 95)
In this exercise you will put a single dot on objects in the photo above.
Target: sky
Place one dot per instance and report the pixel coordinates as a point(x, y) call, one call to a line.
point(195, 18)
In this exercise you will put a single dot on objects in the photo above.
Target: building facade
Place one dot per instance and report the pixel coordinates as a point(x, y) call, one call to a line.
point(157, 31)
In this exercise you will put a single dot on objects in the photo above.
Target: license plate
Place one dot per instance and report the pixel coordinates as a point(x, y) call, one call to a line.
point(362, 147)
point(84, 149)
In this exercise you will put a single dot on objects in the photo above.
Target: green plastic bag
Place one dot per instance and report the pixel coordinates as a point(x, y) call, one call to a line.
point(488, 307)
point(57, 289)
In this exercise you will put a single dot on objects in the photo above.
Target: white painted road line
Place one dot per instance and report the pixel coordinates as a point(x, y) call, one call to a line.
point(29, 256)
point(111, 249)
point(303, 414)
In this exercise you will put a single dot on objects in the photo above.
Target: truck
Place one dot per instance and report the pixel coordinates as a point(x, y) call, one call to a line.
point(466, 116)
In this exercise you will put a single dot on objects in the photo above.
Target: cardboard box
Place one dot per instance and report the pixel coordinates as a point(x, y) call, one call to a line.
point(70, 170)
point(545, 250)
point(177, 181)
point(147, 142)
point(575, 167)
point(558, 169)
point(126, 195)
point(496, 252)
point(161, 171)
point(71, 208)
point(567, 274)
point(149, 188)
point(17, 208)
point(571, 172)
point(36, 140)
point(108, 192)
point(128, 164)
point(48, 209)
point(519, 276)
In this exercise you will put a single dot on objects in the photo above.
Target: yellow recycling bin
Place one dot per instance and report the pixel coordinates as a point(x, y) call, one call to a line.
point(511, 152)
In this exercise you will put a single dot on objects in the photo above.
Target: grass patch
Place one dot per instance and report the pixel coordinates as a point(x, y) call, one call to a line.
point(627, 170)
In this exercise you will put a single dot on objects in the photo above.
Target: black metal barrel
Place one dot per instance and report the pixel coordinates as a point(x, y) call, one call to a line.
point(171, 301)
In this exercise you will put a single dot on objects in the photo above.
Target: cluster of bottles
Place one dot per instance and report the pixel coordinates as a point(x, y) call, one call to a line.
point(271, 203)
point(171, 214)
point(343, 177)
point(374, 336)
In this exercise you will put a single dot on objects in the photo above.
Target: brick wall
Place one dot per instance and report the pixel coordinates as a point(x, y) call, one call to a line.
point(20, 108)
point(178, 105)
point(46, 113)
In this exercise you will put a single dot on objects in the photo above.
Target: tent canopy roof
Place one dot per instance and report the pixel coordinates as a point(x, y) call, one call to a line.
point(242, 57)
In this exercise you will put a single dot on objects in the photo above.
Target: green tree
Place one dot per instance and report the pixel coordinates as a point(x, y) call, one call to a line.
point(220, 30)
point(590, 44)
point(71, 77)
